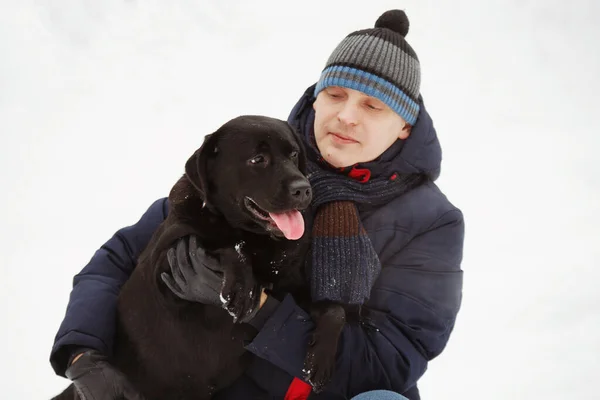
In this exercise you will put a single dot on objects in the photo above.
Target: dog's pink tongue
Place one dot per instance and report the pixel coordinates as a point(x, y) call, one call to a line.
point(290, 223)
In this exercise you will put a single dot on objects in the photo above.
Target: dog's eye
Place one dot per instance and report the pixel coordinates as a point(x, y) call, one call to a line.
point(294, 155)
point(258, 160)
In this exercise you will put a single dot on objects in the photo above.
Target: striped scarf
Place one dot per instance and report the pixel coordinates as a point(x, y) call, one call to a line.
point(344, 262)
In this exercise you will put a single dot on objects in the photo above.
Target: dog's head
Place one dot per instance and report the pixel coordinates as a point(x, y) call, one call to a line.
point(252, 171)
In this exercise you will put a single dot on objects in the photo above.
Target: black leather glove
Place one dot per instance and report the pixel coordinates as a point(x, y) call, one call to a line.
point(195, 276)
point(95, 379)
point(228, 282)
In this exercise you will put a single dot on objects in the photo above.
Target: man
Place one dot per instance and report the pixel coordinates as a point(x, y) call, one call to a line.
point(368, 137)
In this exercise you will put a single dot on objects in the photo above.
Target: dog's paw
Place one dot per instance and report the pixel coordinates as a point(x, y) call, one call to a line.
point(319, 362)
point(241, 296)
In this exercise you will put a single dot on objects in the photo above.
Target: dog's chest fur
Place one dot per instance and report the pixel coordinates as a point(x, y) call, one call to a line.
point(277, 263)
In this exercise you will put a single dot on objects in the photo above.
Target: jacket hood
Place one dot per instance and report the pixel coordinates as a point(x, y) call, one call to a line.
point(419, 153)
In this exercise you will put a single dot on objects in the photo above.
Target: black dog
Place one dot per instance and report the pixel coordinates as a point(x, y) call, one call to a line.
point(246, 184)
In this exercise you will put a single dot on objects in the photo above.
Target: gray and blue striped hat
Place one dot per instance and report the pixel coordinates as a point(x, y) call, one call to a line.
point(380, 63)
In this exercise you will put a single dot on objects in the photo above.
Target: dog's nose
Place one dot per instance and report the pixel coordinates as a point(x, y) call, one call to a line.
point(301, 190)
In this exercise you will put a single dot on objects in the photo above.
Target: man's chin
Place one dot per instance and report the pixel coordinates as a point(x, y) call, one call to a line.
point(336, 161)
point(334, 153)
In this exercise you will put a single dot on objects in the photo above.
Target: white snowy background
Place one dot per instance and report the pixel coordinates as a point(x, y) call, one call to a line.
point(101, 103)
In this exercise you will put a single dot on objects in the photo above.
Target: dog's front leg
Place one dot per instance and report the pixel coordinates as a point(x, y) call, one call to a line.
point(241, 291)
point(329, 319)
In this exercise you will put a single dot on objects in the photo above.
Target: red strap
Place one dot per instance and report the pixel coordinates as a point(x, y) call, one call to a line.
point(298, 390)
point(360, 174)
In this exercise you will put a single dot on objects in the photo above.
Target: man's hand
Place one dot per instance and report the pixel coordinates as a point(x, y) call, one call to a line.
point(263, 298)
point(95, 379)
point(195, 276)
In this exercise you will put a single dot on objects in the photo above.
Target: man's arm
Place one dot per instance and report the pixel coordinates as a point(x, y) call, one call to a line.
point(413, 307)
point(90, 319)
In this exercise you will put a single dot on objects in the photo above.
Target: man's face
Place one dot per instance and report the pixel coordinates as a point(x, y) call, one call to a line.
point(351, 127)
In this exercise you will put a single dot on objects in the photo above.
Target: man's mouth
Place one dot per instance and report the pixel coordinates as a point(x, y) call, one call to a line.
point(290, 223)
point(342, 138)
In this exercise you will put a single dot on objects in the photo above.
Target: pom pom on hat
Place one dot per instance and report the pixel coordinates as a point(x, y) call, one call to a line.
point(395, 20)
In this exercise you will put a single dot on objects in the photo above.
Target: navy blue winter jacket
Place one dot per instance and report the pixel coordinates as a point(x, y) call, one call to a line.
point(415, 300)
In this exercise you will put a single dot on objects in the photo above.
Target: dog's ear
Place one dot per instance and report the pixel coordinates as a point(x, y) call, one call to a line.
point(302, 152)
point(196, 167)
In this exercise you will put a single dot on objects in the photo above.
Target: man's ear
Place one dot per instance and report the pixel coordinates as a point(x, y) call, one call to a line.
point(196, 167)
point(405, 132)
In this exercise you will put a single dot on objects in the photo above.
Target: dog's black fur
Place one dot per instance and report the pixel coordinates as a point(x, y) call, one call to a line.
point(174, 349)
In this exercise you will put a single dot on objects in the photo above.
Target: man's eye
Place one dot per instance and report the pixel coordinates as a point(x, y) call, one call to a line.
point(333, 93)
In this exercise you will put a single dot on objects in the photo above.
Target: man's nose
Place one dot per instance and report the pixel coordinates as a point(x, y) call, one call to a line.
point(348, 115)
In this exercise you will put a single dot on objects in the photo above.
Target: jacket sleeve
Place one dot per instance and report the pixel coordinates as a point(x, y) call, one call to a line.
point(90, 319)
point(412, 309)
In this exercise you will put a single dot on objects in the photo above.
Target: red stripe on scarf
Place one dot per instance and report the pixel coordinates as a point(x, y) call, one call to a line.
point(298, 390)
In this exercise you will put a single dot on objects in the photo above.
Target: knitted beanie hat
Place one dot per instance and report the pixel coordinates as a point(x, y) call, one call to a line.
point(380, 63)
